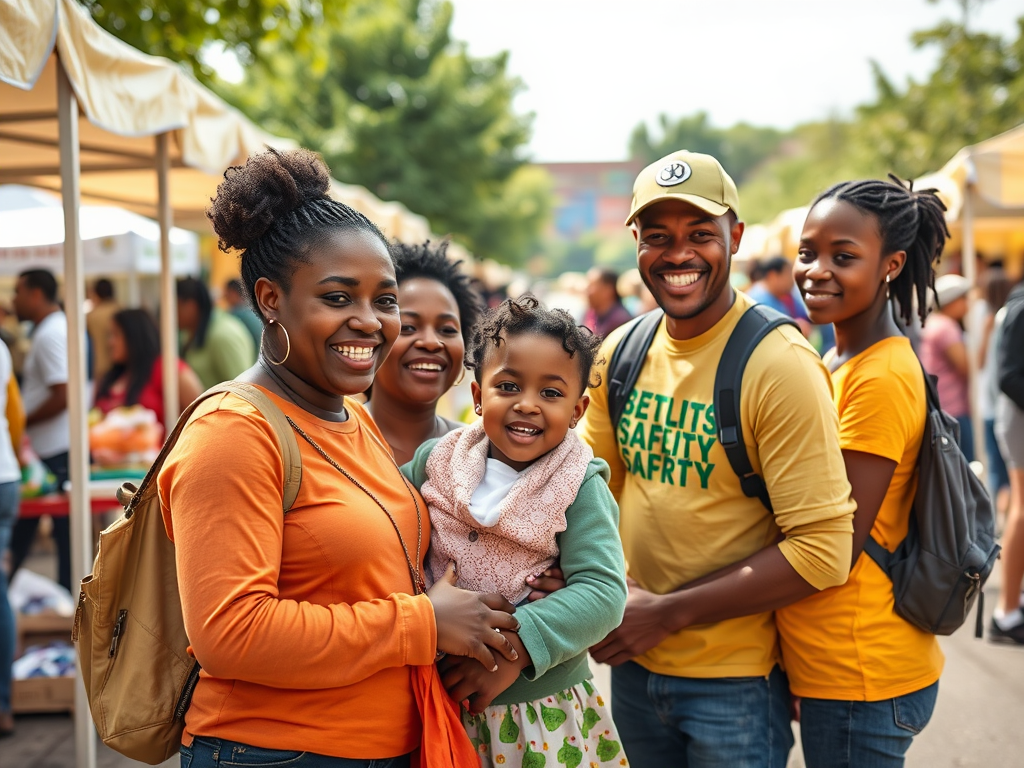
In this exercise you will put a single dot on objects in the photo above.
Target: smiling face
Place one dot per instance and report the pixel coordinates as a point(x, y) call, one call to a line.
point(841, 268)
point(530, 395)
point(341, 313)
point(427, 358)
point(684, 254)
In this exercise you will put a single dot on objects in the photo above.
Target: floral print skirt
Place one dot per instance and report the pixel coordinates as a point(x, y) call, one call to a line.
point(571, 728)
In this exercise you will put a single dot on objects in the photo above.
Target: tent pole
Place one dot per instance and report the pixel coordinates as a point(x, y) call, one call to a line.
point(168, 295)
point(74, 299)
point(969, 268)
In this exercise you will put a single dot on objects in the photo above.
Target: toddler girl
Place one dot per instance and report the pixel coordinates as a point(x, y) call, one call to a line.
point(508, 496)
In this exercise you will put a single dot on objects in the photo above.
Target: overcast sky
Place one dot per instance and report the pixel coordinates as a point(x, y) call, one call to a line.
point(593, 69)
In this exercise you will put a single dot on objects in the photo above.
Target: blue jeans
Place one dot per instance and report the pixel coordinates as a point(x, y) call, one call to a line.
point(863, 734)
point(8, 514)
point(998, 477)
point(25, 529)
point(685, 722)
point(211, 753)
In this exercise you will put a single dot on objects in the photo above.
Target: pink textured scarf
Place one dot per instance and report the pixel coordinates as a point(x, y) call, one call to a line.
point(522, 542)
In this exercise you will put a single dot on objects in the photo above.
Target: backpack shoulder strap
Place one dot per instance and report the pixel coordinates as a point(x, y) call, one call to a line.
point(130, 497)
point(285, 436)
point(756, 323)
point(883, 557)
point(628, 360)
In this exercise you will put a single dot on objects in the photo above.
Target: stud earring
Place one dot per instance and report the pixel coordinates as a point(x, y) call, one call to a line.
point(478, 410)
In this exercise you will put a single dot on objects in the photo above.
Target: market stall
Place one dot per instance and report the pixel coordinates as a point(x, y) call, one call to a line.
point(83, 114)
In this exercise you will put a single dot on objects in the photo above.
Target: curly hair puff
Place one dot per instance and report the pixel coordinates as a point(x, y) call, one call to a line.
point(514, 317)
point(432, 263)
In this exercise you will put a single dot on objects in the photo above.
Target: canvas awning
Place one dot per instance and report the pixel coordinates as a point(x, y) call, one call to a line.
point(127, 99)
point(983, 188)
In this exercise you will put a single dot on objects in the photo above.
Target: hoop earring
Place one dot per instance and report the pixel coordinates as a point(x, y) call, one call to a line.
point(461, 377)
point(287, 339)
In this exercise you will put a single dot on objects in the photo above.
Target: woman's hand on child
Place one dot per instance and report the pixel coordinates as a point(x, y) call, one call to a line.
point(468, 681)
point(466, 621)
point(549, 581)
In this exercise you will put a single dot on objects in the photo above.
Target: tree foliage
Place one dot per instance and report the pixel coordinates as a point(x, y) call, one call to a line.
point(182, 30)
point(975, 91)
point(401, 108)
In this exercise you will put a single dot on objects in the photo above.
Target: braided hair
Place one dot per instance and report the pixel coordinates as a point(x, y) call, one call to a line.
point(909, 220)
point(514, 317)
point(412, 261)
point(275, 209)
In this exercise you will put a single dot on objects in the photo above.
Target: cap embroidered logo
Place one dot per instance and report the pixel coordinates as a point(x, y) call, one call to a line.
point(674, 173)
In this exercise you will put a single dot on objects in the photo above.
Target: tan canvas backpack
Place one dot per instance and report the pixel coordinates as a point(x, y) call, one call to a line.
point(132, 647)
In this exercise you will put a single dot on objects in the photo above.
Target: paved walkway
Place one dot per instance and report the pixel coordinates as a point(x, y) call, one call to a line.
point(977, 722)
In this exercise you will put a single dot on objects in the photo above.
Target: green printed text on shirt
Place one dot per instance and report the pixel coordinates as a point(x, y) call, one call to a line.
point(668, 441)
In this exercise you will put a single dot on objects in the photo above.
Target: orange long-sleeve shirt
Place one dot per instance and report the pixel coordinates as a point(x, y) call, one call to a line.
point(304, 625)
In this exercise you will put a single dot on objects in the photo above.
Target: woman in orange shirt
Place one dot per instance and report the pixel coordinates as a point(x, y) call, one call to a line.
point(867, 679)
point(308, 626)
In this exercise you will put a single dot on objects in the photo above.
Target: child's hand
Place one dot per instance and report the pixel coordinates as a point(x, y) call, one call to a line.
point(466, 621)
point(549, 581)
point(468, 681)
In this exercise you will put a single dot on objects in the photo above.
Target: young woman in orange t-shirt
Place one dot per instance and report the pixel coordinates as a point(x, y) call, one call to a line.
point(867, 679)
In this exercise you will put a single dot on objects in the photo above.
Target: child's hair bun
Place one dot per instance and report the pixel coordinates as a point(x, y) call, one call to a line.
point(267, 188)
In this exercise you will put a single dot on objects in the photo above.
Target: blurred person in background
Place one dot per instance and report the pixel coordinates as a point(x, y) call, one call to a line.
point(11, 425)
point(238, 306)
point(606, 311)
point(944, 353)
point(136, 373)
point(12, 335)
point(776, 289)
point(98, 323)
point(439, 308)
point(45, 397)
point(1008, 618)
point(995, 288)
point(214, 344)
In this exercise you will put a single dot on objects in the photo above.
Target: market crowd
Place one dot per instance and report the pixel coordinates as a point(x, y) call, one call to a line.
point(568, 519)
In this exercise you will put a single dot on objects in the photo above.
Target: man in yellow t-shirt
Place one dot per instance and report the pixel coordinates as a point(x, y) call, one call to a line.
point(696, 679)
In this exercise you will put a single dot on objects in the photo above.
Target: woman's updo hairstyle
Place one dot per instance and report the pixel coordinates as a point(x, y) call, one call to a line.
point(908, 220)
point(275, 209)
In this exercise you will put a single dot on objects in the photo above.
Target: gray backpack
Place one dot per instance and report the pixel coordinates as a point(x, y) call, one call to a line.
point(939, 569)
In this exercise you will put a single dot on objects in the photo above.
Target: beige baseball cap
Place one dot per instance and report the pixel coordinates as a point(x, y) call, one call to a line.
point(695, 178)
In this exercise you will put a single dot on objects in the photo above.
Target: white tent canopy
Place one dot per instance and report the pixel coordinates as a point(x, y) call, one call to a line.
point(114, 241)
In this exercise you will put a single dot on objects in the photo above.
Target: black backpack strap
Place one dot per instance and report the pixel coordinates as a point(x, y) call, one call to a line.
point(883, 557)
point(878, 553)
point(628, 360)
point(756, 323)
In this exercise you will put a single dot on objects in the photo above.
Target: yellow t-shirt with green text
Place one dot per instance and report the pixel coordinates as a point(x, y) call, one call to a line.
point(848, 643)
point(683, 514)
